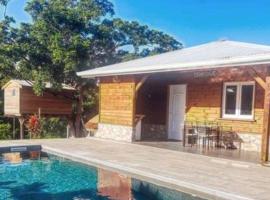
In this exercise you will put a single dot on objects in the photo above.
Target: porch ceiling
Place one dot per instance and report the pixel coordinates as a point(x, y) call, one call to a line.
point(211, 55)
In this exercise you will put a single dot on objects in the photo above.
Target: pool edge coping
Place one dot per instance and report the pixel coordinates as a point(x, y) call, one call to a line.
point(168, 182)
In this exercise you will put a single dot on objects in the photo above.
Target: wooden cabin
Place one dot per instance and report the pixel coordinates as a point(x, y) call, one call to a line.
point(20, 100)
point(224, 82)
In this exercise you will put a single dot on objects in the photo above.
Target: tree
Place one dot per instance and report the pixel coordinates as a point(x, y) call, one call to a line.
point(67, 36)
point(4, 3)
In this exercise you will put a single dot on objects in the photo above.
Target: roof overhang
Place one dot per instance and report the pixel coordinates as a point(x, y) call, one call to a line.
point(11, 82)
point(25, 83)
point(188, 66)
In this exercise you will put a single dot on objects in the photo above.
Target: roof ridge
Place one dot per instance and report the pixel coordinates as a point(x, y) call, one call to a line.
point(28, 83)
point(248, 44)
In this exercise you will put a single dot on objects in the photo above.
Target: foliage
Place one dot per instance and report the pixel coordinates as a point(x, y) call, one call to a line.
point(67, 36)
point(90, 98)
point(1, 103)
point(5, 131)
point(34, 126)
point(53, 127)
point(4, 3)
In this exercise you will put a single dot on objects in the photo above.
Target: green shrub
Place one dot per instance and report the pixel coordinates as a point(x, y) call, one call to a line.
point(5, 131)
point(53, 127)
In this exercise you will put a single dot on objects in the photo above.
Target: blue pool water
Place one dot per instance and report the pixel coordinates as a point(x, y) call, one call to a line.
point(55, 178)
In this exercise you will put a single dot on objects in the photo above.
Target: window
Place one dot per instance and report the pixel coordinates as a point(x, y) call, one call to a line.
point(238, 100)
point(13, 92)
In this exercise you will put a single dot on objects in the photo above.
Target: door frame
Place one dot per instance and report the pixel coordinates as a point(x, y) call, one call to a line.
point(168, 106)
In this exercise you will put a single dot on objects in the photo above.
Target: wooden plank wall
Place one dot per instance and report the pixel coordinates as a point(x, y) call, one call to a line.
point(204, 98)
point(117, 97)
point(204, 104)
point(50, 104)
point(12, 100)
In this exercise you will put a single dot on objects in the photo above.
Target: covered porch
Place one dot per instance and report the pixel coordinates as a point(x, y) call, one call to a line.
point(216, 112)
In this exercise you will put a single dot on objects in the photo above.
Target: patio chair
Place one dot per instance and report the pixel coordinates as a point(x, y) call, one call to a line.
point(229, 138)
point(225, 141)
point(203, 133)
point(214, 136)
point(190, 136)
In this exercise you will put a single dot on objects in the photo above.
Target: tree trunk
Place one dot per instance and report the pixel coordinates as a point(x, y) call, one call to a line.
point(21, 120)
point(78, 127)
point(71, 127)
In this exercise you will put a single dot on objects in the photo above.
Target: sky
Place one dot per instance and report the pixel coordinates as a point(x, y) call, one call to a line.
point(192, 22)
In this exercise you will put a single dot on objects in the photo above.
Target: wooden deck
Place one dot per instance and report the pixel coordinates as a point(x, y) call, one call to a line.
point(214, 178)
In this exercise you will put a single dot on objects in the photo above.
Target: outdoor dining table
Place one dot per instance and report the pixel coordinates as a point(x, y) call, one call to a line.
point(193, 136)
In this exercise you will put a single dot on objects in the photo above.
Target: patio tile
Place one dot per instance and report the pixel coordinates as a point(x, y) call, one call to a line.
point(179, 170)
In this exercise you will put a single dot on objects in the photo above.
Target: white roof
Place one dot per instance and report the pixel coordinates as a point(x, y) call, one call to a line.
point(30, 84)
point(211, 55)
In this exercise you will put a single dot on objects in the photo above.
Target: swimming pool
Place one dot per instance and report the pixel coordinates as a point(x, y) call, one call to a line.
point(55, 178)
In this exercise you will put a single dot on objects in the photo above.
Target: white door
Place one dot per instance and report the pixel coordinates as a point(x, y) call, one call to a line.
point(177, 107)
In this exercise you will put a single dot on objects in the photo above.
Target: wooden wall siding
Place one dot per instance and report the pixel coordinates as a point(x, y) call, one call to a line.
point(204, 104)
point(117, 101)
point(12, 100)
point(49, 103)
point(204, 97)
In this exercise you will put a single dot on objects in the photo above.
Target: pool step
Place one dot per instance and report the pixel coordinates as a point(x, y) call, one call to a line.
point(13, 158)
point(15, 154)
point(21, 149)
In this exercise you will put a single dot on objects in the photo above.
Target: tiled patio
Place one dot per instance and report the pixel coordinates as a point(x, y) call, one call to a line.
point(212, 178)
point(232, 154)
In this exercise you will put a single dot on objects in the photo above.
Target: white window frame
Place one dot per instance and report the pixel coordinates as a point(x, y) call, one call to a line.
point(237, 114)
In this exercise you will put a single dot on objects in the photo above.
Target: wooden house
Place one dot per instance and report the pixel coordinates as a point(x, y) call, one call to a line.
point(223, 82)
point(20, 101)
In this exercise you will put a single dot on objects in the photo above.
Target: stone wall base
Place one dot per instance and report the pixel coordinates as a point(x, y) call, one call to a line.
point(250, 142)
point(154, 132)
point(115, 132)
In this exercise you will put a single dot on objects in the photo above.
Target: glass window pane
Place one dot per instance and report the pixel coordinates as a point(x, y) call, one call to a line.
point(246, 100)
point(230, 101)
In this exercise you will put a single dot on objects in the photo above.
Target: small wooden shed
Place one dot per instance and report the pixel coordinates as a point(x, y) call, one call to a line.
point(21, 101)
